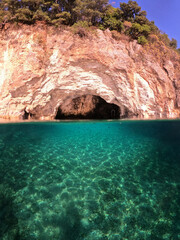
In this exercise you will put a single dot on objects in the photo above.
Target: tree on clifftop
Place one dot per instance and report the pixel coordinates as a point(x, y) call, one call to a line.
point(8, 10)
point(173, 43)
point(130, 10)
point(128, 18)
point(112, 19)
point(52, 11)
point(90, 11)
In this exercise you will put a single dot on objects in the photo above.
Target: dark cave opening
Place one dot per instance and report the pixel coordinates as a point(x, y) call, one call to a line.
point(27, 115)
point(88, 107)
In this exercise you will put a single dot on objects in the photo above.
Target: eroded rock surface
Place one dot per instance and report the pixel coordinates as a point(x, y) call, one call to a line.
point(43, 70)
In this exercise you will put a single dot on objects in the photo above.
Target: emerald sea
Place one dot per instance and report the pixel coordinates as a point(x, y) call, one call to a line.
point(90, 180)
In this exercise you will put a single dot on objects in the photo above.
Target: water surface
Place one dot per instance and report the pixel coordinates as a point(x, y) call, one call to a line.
point(90, 180)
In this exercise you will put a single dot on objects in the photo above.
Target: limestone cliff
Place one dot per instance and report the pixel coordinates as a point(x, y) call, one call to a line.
point(46, 73)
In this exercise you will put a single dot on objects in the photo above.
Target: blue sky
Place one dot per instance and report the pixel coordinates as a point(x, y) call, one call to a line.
point(165, 13)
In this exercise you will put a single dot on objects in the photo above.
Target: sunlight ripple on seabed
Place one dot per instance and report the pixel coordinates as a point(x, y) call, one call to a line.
point(90, 180)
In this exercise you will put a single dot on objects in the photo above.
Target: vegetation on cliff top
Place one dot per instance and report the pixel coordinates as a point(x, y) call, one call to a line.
point(128, 18)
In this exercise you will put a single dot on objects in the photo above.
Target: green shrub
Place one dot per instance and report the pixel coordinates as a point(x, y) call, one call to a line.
point(24, 15)
point(138, 30)
point(173, 43)
point(81, 28)
point(142, 40)
point(62, 18)
point(101, 27)
point(111, 19)
point(41, 16)
point(113, 24)
point(164, 38)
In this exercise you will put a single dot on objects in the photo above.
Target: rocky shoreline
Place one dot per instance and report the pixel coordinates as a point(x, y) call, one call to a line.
point(46, 70)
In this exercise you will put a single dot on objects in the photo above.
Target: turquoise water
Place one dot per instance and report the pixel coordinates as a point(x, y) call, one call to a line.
point(90, 180)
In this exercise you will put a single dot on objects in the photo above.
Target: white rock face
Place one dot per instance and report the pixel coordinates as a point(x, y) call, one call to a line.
point(42, 68)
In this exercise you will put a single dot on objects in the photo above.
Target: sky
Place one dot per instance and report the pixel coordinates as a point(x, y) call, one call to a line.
point(165, 14)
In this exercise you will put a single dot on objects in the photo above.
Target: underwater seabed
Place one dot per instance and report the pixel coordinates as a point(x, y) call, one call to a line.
point(90, 180)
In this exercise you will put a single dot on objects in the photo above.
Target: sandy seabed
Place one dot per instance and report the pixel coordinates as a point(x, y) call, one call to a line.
point(90, 180)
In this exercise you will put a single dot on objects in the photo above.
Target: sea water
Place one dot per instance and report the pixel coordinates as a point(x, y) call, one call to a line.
point(90, 180)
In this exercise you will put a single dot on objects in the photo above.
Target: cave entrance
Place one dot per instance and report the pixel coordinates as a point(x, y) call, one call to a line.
point(27, 115)
point(88, 107)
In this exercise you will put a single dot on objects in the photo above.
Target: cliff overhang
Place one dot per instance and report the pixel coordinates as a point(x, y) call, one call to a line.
point(46, 73)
